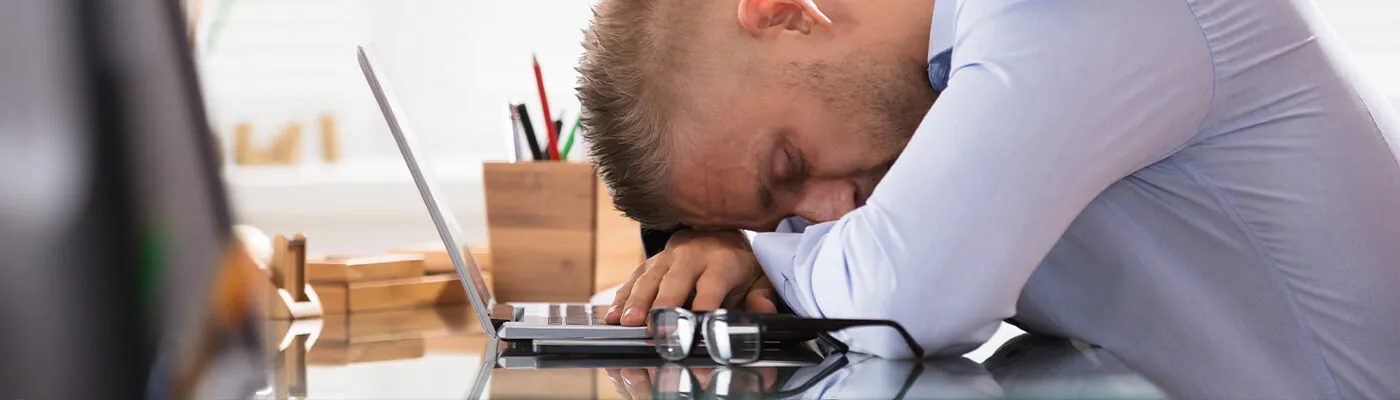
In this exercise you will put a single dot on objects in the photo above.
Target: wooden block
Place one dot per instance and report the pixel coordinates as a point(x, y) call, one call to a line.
point(291, 146)
point(336, 297)
point(243, 144)
point(291, 370)
point(544, 383)
point(353, 353)
point(286, 147)
point(288, 265)
point(619, 244)
point(398, 324)
point(280, 304)
point(285, 293)
point(436, 261)
point(425, 291)
point(361, 269)
point(330, 139)
point(541, 221)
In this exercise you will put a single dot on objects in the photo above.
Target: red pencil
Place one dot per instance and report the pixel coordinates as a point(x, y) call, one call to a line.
point(544, 103)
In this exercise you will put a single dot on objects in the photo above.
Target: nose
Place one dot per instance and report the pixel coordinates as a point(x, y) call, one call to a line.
point(825, 201)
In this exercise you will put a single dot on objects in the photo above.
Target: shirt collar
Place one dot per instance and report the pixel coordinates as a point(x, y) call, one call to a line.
point(944, 28)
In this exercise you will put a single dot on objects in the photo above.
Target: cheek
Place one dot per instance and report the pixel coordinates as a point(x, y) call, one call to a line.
point(841, 156)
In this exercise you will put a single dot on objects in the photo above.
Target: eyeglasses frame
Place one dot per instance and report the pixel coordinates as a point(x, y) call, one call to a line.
point(780, 327)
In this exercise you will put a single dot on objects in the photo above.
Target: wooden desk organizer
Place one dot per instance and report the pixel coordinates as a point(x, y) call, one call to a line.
point(288, 295)
point(555, 236)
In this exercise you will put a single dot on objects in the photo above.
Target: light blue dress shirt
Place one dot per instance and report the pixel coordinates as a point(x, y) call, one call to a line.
point(1187, 183)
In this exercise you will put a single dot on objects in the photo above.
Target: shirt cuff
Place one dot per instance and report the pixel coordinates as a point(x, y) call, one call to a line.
point(775, 253)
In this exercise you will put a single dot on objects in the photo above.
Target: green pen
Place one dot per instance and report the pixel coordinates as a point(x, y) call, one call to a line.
point(569, 143)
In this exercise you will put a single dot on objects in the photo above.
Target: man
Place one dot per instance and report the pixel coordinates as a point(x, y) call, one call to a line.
point(1182, 182)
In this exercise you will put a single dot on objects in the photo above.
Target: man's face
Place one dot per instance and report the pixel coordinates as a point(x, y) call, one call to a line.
point(812, 141)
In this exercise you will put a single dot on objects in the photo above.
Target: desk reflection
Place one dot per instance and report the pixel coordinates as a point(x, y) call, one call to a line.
point(440, 353)
point(1026, 367)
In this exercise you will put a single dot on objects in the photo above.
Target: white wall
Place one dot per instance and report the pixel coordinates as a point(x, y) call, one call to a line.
point(455, 64)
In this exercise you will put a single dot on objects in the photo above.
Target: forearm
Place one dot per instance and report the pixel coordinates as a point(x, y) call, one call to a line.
point(1020, 143)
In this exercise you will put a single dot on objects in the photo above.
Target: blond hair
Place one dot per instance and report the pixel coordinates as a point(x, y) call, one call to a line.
point(627, 104)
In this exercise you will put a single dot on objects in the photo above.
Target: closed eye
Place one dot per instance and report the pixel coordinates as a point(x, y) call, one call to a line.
point(782, 166)
point(797, 167)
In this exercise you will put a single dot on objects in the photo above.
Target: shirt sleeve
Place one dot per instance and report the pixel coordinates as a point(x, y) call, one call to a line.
point(1049, 103)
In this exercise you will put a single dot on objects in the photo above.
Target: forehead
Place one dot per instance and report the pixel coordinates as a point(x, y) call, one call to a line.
point(714, 180)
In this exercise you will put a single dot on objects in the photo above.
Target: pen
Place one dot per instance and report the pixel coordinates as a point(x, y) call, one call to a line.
point(553, 150)
point(559, 127)
point(569, 142)
point(524, 114)
point(516, 139)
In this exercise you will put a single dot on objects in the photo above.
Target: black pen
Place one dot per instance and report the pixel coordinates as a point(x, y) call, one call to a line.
point(530, 133)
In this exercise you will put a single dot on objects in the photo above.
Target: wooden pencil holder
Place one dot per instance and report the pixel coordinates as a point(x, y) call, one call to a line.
point(555, 236)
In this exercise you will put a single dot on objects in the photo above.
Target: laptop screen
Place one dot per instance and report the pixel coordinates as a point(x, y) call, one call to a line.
point(467, 268)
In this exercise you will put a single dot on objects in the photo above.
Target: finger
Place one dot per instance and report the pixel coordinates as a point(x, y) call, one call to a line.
point(643, 293)
point(615, 375)
point(711, 291)
point(737, 296)
point(677, 285)
point(725, 277)
point(739, 287)
point(615, 312)
point(762, 298)
point(638, 382)
point(770, 377)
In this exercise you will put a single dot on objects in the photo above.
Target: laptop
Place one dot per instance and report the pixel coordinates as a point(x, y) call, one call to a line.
point(518, 321)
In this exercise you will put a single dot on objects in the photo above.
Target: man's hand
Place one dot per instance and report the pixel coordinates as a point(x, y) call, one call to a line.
point(718, 266)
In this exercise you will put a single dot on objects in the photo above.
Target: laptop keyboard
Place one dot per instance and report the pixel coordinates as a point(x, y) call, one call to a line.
point(586, 315)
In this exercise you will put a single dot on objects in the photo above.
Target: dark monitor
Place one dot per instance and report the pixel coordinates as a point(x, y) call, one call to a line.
point(112, 213)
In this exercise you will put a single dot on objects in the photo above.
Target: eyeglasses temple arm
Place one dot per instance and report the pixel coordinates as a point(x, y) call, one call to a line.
point(828, 325)
point(908, 339)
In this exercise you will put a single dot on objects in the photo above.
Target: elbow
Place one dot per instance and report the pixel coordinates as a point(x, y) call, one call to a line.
point(869, 272)
point(941, 327)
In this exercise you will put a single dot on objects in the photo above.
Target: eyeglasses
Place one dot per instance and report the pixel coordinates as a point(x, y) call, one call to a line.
point(734, 338)
point(674, 381)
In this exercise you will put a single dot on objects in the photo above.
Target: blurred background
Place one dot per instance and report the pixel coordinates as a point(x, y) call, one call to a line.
point(455, 64)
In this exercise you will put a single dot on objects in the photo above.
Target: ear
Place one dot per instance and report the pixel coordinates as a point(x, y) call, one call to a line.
point(757, 16)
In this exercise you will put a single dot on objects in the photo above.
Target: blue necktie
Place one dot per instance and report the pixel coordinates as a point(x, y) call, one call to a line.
point(939, 67)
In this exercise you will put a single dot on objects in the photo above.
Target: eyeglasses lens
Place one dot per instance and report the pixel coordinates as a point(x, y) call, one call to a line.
point(674, 382)
point(673, 333)
point(734, 339)
point(735, 384)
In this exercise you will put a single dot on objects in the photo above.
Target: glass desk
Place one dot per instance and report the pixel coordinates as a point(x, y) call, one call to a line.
point(441, 354)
